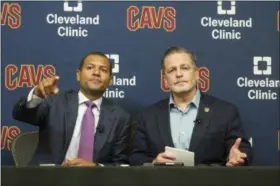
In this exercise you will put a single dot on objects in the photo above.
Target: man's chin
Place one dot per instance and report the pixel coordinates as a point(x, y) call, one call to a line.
point(180, 90)
point(96, 89)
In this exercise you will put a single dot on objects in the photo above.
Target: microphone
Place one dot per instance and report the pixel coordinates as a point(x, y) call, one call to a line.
point(197, 121)
point(100, 129)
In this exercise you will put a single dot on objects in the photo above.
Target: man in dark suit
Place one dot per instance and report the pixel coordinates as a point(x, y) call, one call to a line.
point(189, 120)
point(77, 128)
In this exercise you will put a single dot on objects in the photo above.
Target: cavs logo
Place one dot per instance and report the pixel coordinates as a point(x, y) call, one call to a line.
point(151, 17)
point(8, 134)
point(11, 15)
point(203, 84)
point(26, 75)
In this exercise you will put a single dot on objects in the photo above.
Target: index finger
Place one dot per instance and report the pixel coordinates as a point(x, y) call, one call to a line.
point(55, 80)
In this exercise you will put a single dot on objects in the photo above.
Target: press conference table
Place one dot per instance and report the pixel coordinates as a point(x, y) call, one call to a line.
point(134, 176)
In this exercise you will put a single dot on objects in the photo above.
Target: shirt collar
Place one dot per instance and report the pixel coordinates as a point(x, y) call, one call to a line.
point(83, 98)
point(195, 101)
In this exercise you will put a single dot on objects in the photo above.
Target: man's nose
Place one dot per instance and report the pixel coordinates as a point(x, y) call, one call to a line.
point(179, 73)
point(95, 71)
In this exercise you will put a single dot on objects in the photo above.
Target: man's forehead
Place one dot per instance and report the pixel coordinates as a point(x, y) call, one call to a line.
point(94, 59)
point(170, 63)
point(95, 62)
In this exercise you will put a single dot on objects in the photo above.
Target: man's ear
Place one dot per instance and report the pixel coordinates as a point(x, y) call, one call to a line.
point(164, 78)
point(111, 80)
point(197, 74)
point(78, 75)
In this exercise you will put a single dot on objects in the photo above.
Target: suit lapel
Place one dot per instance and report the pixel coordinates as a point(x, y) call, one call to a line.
point(163, 121)
point(70, 117)
point(105, 124)
point(203, 120)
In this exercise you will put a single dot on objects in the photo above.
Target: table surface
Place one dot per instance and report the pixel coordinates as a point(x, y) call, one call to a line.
point(173, 176)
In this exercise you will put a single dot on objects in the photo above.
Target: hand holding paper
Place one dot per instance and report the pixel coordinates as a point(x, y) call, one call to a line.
point(184, 156)
point(164, 157)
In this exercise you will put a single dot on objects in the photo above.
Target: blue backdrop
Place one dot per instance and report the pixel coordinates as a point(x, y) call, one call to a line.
point(236, 43)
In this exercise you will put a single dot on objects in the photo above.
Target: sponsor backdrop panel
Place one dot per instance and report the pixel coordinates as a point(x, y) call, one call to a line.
point(236, 44)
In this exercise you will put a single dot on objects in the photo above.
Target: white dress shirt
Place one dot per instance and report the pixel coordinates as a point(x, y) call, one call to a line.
point(72, 151)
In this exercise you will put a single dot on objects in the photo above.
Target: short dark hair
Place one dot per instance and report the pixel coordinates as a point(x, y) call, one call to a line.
point(96, 54)
point(173, 50)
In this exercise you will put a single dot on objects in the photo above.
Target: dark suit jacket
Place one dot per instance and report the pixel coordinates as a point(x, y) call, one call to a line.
point(212, 136)
point(56, 117)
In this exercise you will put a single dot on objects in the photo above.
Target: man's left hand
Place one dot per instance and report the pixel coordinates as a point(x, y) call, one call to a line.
point(236, 157)
point(79, 162)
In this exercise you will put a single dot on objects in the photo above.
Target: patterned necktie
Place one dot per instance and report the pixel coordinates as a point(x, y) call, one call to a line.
point(87, 134)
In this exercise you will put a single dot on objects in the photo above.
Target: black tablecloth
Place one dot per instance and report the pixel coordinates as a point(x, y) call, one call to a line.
point(132, 176)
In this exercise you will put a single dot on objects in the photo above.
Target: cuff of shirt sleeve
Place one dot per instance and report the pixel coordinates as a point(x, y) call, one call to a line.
point(33, 100)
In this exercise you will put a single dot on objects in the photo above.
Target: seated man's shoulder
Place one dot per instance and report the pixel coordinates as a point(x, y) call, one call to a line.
point(219, 102)
point(154, 107)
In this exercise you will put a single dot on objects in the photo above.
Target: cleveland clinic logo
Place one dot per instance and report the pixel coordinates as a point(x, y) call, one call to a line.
point(222, 11)
point(225, 26)
point(71, 23)
point(257, 63)
point(116, 90)
point(115, 58)
point(263, 86)
point(77, 8)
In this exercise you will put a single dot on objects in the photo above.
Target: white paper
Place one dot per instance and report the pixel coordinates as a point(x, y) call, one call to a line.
point(47, 165)
point(187, 157)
